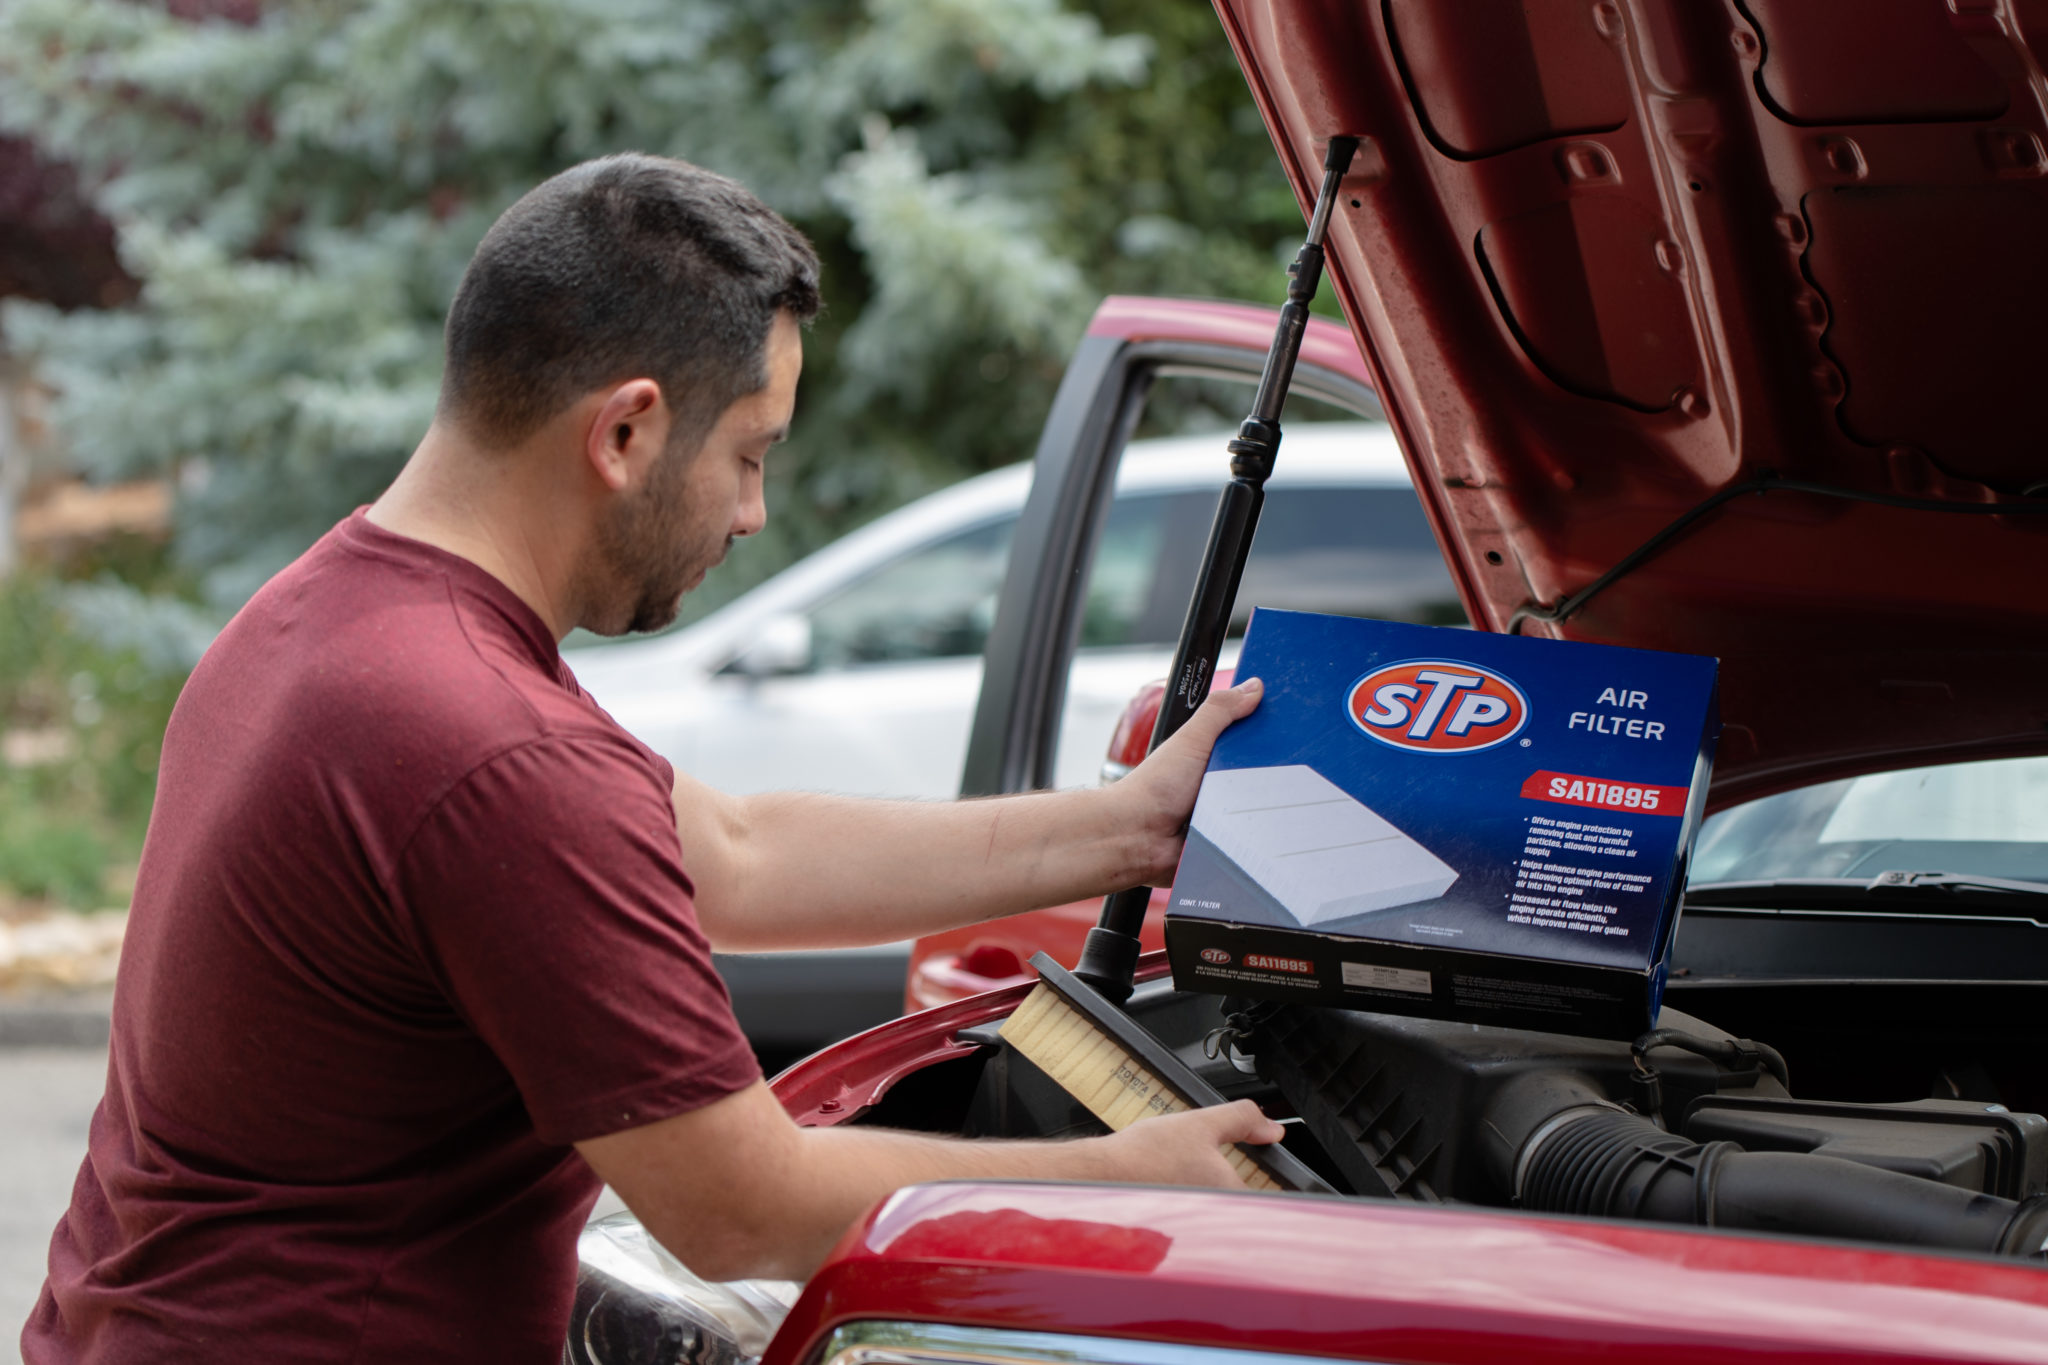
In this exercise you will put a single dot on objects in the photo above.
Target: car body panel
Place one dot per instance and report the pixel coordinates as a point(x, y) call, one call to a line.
point(850, 1077)
point(953, 965)
point(1375, 1280)
point(1609, 261)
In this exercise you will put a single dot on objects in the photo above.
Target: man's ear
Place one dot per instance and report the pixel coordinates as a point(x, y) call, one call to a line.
point(627, 433)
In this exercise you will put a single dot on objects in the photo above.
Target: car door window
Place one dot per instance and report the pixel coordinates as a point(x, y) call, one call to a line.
point(934, 602)
point(1349, 552)
point(1345, 551)
point(1123, 587)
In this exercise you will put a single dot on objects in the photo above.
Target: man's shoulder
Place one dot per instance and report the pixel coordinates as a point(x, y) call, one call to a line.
point(368, 657)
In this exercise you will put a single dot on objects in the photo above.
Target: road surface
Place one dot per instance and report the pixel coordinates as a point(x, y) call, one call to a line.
point(49, 1094)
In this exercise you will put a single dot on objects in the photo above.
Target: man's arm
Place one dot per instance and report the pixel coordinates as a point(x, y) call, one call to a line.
point(735, 1189)
point(794, 870)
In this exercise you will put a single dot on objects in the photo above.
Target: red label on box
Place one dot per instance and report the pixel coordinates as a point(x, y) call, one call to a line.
point(1572, 789)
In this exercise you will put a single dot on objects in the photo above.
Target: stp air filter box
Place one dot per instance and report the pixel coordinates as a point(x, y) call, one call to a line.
point(1420, 820)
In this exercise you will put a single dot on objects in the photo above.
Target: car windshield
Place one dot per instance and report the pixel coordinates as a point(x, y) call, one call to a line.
point(1988, 819)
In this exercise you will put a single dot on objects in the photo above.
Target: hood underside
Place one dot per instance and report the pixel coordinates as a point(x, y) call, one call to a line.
point(1779, 266)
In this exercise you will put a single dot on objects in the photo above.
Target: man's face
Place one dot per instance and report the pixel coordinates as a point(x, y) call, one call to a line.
point(658, 541)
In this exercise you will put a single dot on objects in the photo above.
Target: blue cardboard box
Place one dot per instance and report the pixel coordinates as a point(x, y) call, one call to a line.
point(1448, 823)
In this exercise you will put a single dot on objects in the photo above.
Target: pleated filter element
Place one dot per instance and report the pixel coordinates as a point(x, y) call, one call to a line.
point(1110, 1083)
point(1318, 851)
point(1123, 1074)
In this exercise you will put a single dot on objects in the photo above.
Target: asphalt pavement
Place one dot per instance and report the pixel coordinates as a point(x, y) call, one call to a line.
point(47, 1096)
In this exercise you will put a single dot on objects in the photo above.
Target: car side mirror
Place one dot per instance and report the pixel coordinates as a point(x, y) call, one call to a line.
point(781, 645)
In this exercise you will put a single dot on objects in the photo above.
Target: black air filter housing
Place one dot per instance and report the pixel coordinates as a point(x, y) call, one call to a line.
point(1970, 1145)
point(1397, 1102)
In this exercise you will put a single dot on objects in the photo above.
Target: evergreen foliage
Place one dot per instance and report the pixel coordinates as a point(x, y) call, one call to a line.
point(298, 196)
point(97, 715)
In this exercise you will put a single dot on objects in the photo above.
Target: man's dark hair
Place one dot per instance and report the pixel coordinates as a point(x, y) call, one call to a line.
point(626, 266)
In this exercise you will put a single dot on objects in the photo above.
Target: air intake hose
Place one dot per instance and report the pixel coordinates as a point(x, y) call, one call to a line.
point(1611, 1164)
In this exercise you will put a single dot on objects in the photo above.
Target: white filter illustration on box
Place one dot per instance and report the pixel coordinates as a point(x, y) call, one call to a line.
point(1314, 848)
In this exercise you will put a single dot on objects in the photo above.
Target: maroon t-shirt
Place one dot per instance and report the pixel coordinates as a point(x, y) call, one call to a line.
point(412, 918)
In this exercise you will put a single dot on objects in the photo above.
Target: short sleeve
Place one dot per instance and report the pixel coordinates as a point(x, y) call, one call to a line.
point(548, 890)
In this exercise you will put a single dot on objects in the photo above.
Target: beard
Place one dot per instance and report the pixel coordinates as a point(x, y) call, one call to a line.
point(649, 551)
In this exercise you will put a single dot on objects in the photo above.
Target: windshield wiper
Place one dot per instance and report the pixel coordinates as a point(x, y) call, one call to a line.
point(1918, 891)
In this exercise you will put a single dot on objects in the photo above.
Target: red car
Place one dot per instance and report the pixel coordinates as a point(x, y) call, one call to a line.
point(1705, 325)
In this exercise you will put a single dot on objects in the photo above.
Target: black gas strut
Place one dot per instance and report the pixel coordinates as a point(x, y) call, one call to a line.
point(1110, 957)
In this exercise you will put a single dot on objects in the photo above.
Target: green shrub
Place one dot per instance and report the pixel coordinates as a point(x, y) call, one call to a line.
point(83, 723)
point(50, 858)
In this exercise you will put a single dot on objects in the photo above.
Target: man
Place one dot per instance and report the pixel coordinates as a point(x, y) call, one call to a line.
point(420, 949)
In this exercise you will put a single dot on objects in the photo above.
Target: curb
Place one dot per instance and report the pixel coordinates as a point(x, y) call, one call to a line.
point(56, 1021)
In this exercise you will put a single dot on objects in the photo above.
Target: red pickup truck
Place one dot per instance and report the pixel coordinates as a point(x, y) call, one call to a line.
point(1704, 325)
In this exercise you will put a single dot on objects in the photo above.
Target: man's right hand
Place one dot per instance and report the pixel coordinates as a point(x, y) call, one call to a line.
point(1187, 1148)
point(736, 1189)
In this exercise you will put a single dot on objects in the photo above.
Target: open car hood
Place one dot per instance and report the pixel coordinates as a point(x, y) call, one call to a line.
point(1611, 261)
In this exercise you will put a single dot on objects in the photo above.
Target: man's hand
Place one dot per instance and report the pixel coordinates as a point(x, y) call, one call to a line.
point(1160, 792)
point(1187, 1148)
point(736, 1189)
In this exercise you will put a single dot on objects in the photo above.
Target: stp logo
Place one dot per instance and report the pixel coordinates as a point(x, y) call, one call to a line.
point(1216, 957)
point(1437, 706)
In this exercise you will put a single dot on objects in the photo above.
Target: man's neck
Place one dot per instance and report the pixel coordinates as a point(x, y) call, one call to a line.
point(456, 497)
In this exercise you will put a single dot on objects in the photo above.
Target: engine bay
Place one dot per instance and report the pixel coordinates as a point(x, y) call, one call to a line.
point(1870, 1077)
point(1688, 1124)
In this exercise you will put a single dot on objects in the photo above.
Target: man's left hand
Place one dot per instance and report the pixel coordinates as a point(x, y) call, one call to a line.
point(1161, 790)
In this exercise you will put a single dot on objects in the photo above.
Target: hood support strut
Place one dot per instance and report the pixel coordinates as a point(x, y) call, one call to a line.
point(1110, 955)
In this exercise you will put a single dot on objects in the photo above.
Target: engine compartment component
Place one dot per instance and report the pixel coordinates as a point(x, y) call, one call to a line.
point(1707, 1134)
point(1399, 1103)
point(1613, 1164)
point(1687, 1124)
point(1122, 1074)
point(1981, 1147)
